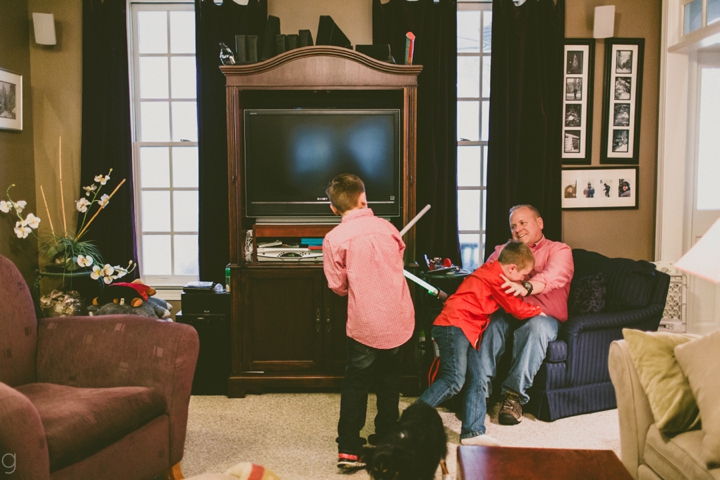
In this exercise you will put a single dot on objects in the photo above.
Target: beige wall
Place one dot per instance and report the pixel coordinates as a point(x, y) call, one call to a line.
point(354, 17)
point(626, 233)
point(57, 107)
point(16, 147)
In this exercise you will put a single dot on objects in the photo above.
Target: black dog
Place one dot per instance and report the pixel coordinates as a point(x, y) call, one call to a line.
point(414, 450)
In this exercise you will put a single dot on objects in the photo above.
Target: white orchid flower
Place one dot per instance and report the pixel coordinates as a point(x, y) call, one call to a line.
point(82, 205)
point(19, 205)
point(96, 272)
point(108, 270)
point(5, 206)
point(102, 179)
point(22, 230)
point(104, 200)
point(32, 221)
point(90, 189)
point(84, 260)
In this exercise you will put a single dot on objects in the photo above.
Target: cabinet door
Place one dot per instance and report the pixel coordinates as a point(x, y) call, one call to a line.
point(283, 322)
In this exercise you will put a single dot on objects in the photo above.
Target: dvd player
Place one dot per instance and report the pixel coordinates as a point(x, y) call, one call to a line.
point(288, 255)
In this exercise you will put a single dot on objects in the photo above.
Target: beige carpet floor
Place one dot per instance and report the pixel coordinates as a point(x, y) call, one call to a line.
point(294, 434)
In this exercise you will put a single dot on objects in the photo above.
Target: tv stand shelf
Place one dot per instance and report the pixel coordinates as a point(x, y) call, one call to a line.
point(287, 326)
point(265, 230)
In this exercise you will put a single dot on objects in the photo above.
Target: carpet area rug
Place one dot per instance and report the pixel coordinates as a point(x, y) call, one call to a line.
point(293, 434)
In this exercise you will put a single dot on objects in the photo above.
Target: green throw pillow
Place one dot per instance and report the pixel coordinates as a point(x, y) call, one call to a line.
point(699, 360)
point(668, 391)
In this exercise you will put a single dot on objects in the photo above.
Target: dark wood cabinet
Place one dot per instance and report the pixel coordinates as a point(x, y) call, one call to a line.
point(287, 326)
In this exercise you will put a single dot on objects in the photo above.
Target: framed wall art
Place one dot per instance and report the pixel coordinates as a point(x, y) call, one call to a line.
point(608, 188)
point(622, 100)
point(11, 106)
point(578, 77)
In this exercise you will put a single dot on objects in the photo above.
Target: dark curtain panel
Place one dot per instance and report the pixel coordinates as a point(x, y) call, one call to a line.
point(215, 24)
point(106, 134)
point(434, 26)
point(524, 157)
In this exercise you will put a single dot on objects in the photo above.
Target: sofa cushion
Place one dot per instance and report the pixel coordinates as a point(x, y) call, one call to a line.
point(668, 391)
point(587, 294)
point(79, 422)
point(677, 457)
point(695, 359)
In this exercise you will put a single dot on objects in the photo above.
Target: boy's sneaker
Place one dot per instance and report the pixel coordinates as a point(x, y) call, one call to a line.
point(348, 461)
point(480, 440)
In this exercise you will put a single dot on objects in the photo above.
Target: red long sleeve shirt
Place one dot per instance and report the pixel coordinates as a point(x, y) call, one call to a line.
point(478, 297)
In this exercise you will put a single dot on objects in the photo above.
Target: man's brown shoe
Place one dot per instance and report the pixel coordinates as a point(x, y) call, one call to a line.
point(511, 410)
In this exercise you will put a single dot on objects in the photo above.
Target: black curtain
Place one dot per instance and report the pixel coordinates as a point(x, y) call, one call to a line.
point(106, 134)
point(215, 24)
point(524, 156)
point(434, 26)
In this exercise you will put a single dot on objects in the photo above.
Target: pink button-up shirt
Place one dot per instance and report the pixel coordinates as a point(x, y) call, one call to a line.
point(554, 267)
point(363, 258)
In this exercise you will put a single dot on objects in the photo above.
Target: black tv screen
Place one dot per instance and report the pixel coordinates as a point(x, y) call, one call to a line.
point(291, 156)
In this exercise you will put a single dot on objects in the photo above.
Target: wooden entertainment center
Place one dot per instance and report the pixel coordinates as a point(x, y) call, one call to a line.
point(287, 326)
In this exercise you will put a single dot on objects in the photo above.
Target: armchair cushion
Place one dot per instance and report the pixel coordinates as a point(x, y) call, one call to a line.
point(695, 358)
point(79, 422)
point(668, 391)
point(587, 294)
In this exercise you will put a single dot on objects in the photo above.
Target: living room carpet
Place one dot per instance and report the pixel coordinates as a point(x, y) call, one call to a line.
point(293, 434)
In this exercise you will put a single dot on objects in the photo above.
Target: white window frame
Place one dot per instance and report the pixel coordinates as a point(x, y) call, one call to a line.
point(482, 6)
point(171, 281)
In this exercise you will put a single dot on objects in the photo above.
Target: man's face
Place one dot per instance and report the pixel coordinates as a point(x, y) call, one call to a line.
point(525, 226)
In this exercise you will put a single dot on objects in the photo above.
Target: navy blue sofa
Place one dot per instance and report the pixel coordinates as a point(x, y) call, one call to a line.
point(574, 379)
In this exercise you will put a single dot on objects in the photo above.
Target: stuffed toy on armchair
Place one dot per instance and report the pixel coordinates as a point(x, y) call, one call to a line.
point(130, 298)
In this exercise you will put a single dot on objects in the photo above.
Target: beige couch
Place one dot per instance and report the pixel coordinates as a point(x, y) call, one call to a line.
point(645, 452)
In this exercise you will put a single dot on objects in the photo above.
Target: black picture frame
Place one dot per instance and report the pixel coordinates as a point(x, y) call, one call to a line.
point(577, 111)
point(593, 188)
point(622, 101)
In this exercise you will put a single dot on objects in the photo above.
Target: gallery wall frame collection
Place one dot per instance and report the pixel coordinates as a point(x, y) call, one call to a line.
point(586, 188)
point(578, 78)
point(11, 107)
point(622, 94)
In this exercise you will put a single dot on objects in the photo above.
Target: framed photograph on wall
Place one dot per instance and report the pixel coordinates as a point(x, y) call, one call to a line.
point(602, 188)
point(11, 107)
point(622, 100)
point(578, 74)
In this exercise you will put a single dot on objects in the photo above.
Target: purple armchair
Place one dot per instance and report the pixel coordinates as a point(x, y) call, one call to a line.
point(90, 397)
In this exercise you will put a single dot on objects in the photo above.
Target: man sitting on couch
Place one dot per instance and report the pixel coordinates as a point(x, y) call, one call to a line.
point(547, 287)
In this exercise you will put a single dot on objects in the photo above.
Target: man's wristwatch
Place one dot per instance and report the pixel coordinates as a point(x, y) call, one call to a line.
point(528, 286)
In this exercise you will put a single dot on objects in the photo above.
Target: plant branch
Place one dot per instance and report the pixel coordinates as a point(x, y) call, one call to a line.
point(98, 211)
point(47, 210)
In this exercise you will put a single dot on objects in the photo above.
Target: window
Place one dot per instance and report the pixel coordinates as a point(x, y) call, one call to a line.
point(165, 152)
point(474, 23)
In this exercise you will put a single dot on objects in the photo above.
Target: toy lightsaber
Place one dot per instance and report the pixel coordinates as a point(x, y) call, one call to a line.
point(414, 220)
point(435, 292)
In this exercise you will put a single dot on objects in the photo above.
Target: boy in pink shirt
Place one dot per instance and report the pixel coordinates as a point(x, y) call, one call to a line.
point(363, 258)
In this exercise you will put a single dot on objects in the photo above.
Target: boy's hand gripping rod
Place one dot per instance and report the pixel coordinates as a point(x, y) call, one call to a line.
point(435, 292)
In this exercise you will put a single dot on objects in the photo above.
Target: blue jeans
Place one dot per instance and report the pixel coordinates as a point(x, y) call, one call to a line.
point(366, 365)
point(459, 365)
point(530, 341)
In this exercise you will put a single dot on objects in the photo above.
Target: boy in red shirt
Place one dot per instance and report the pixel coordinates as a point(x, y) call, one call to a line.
point(363, 258)
point(458, 331)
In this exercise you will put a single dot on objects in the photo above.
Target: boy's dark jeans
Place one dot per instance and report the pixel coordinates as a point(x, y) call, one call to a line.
point(365, 365)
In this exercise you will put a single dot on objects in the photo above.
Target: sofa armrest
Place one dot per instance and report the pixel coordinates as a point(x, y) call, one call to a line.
point(23, 449)
point(634, 413)
point(607, 320)
point(123, 350)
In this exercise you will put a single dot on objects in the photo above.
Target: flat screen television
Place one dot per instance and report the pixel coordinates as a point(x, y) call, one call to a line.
point(291, 156)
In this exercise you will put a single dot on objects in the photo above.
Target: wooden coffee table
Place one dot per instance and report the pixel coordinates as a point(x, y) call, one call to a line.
point(504, 463)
